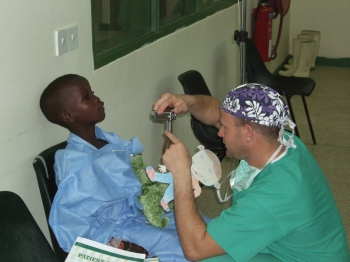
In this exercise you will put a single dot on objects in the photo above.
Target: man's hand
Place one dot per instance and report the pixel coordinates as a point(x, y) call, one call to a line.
point(202, 107)
point(178, 102)
point(177, 158)
point(196, 243)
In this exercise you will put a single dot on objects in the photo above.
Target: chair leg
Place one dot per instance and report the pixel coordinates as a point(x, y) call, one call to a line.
point(309, 120)
point(292, 115)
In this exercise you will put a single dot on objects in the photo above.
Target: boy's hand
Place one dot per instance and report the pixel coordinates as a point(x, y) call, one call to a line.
point(178, 102)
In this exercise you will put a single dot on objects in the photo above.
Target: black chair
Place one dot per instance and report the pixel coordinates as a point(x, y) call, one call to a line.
point(45, 174)
point(194, 84)
point(21, 238)
point(257, 72)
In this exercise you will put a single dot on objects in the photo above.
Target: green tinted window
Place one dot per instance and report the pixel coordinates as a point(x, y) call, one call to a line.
point(121, 26)
point(173, 10)
point(117, 22)
point(208, 3)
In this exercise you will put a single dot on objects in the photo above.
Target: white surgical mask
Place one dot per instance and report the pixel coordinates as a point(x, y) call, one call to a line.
point(243, 176)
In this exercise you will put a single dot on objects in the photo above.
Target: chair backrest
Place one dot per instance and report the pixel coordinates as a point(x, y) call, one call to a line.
point(193, 83)
point(288, 86)
point(257, 72)
point(21, 238)
point(45, 174)
point(256, 69)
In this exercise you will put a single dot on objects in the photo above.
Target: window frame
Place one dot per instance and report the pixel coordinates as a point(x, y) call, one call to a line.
point(113, 53)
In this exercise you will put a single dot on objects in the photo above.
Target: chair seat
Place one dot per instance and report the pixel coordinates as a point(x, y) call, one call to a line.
point(289, 85)
point(21, 238)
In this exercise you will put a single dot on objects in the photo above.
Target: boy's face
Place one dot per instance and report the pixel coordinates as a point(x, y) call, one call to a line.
point(86, 108)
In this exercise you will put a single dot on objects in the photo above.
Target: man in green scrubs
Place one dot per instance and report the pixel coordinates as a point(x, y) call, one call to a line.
point(282, 208)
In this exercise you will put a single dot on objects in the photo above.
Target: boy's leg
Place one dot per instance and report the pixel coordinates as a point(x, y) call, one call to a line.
point(156, 240)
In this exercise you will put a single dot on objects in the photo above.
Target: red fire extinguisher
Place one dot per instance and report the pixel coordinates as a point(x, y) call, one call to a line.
point(262, 29)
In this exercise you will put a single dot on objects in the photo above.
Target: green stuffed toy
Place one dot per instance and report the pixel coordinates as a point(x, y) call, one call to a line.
point(152, 193)
point(157, 188)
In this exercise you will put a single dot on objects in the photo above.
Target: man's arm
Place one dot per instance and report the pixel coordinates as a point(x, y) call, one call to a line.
point(196, 243)
point(204, 108)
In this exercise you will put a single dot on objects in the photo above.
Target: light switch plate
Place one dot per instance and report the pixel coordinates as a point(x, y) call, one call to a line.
point(73, 40)
point(61, 40)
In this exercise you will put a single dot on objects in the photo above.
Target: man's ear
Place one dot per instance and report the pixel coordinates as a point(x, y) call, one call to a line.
point(67, 117)
point(248, 133)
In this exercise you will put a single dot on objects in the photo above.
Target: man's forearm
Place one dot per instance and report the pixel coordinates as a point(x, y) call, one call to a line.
point(192, 229)
point(204, 108)
point(190, 225)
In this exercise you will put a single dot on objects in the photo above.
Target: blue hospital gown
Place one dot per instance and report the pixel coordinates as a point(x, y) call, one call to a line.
point(97, 198)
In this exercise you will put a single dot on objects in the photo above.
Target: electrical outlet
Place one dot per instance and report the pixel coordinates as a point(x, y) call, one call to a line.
point(73, 41)
point(61, 39)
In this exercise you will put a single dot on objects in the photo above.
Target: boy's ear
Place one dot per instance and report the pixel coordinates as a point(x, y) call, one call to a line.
point(67, 117)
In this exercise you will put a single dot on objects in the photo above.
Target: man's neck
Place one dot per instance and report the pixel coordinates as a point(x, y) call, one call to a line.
point(261, 154)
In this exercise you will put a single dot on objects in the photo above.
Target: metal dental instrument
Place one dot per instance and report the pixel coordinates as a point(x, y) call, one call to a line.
point(168, 115)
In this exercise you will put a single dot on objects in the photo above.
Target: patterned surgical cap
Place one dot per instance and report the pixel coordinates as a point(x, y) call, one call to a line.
point(261, 105)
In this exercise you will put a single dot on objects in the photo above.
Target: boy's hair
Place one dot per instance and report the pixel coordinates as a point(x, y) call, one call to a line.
point(53, 99)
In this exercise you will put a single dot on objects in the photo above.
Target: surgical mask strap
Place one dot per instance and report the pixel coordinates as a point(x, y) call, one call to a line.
point(274, 155)
point(233, 173)
point(218, 189)
point(241, 186)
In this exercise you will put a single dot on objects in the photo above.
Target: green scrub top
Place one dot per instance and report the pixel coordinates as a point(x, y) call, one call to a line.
point(288, 212)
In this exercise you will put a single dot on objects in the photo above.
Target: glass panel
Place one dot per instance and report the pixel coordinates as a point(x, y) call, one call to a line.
point(208, 3)
point(119, 21)
point(172, 10)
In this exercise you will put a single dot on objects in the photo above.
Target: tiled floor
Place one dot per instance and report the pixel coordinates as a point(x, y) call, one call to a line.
point(329, 108)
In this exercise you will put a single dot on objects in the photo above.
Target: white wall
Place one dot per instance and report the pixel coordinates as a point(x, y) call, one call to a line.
point(331, 18)
point(128, 86)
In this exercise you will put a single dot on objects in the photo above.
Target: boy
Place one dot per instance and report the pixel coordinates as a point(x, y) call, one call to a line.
point(97, 188)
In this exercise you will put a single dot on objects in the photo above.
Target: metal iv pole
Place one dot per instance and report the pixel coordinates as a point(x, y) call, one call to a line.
point(241, 37)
